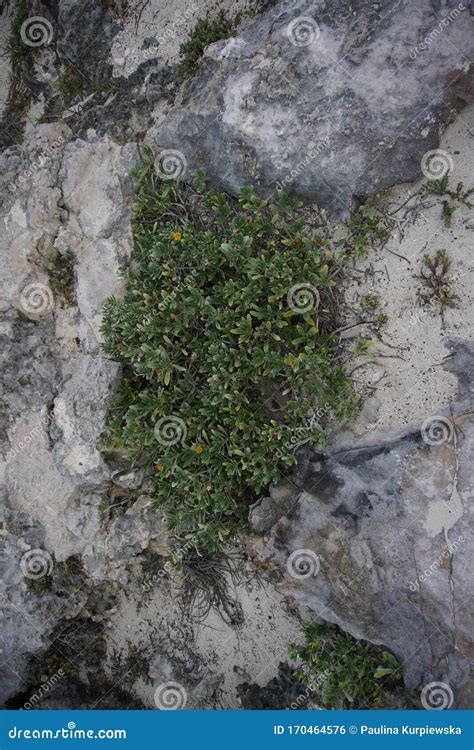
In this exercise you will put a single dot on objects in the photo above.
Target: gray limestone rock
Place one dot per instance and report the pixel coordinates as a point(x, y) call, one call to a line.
point(380, 542)
point(329, 101)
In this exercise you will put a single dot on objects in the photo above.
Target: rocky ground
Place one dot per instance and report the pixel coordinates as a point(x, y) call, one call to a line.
point(348, 104)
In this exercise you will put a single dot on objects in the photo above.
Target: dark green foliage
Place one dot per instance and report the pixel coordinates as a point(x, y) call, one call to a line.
point(436, 284)
point(342, 671)
point(212, 347)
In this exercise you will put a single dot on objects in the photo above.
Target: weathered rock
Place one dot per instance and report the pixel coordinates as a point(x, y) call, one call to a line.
point(268, 510)
point(132, 533)
point(386, 518)
point(55, 381)
point(30, 604)
point(325, 100)
point(281, 693)
point(73, 503)
point(380, 541)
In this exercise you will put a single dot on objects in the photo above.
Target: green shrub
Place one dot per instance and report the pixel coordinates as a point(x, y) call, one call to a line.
point(227, 354)
point(342, 671)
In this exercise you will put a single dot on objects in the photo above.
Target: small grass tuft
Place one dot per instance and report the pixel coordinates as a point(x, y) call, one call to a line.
point(458, 197)
point(60, 270)
point(435, 280)
point(365, 229)
point(369, 301)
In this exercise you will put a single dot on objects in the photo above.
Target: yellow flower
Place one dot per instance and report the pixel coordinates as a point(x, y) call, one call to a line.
point(177, 236)
point(290, 362)
point(159, 468)
point(199, 449)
